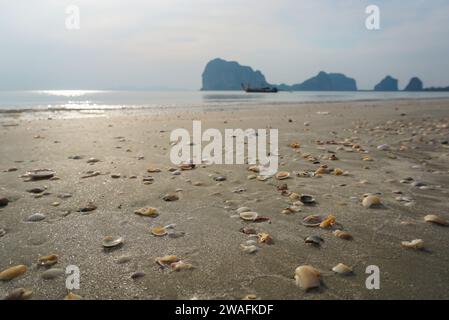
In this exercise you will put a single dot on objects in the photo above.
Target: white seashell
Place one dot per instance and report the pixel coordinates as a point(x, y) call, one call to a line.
point(109, 242)
point(307, 277)
point(249, 216)
point(243, 209)
point(414, 244)
point(52, 273)
point(36, 217)
point(249, 249)
point(342, 269)
point(371, 201)
point(433, 218)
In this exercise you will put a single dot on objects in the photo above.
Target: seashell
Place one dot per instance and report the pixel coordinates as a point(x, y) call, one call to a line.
point(72, 296)
point(2, 232)
point(88, 208)
point(3, 201)
point(329, 221)
point(366, 158)
point(18, 294)
point(294, 196)
point(294, 145)
point(414, 244)
point(265, 238)
point(371, 201)
point(433, 218)
point(242, 209)
point(47, 260)
point(52, 273)
point(316, 240)
point(291, 209)
point(138, 274)
point(36, 190)
point(262, 178)
point(249, 249)
point(333, 157)
point(249, 216)
point(170, 197)
point(187, 166)
point(123, 259)
point(338, 172)
point(180, 265)
point(342, 269)
point(153, 170)
point(342, 235)
point(159, 231)
point(321, 170)
point(110, 242)
point(383, 147)
point(254, 168)
point(281, 175)
point(220, 178)
point(176, 234)
point(307, 277)
point(39, 174)
point(248, 230)
point(35, 217)
point(307, 200)
point(250, 297)
point(13, 272)
point(166, 260)
point(147, 212)
point(92, 160)
point(312, 220)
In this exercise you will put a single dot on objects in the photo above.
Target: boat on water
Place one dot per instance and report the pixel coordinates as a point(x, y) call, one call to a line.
point(262, 90)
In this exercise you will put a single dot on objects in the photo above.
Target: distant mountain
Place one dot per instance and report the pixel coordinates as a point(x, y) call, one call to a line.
point(387, 84)
point(437, 89)
point(415, 84)
point(220, 74)
point(326, 82)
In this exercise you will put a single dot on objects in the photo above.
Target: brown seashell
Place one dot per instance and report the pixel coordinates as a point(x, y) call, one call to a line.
point(338, 171)
point(47, 260)
point(166, 260)
point(414, 244)
point(321, 170)
point(294, 145)
point(312, 220)
point(342, 269)
point(254, 169)
point(159, 231)
point(342, 235)
point(371, 201)
point(433, 218)
point(249, 216)
point(147, 212)
point(12, 272)
point(72, 296)
point(265, 238)
point(307, 277)
point(281, 175)
point(153, 170)
point(19, 294)
point(250, 297)
point(180, 265)
point(110, 242)
point(328, 222)
point(187, 166)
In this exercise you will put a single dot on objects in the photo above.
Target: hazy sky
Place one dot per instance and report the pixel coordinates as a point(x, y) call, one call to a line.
point(166, 44)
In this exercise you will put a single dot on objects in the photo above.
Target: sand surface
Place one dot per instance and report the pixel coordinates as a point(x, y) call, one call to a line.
point(129, 144)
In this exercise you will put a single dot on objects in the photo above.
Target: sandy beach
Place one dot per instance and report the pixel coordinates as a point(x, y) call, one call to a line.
point(410, 176)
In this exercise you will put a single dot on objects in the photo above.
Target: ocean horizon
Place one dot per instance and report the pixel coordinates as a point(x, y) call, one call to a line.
point(97, 100)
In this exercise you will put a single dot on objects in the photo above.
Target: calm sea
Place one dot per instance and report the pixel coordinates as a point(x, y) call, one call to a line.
point(85, 100)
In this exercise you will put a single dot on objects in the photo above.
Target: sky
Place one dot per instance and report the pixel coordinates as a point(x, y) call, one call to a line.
point(166, 44)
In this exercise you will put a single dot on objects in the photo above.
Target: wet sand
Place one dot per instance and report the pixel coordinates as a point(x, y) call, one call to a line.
point(129, 144)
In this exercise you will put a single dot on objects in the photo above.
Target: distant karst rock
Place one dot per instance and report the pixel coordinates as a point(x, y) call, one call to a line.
point(220, 74)
point(327, 82)
point(387, 84)
point(415, 84)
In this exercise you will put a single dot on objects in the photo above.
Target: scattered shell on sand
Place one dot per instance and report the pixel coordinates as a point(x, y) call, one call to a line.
point(92, 160)
point(123, 259)
point(291, 209)
point(294, 145)
point(35, 217)
point(180, 265)
point(110, 241)
point(313, 220)
point(170, 197)
point(371, 201)
point(342, 269)
point(414, 244)
point(166, 260)
point(153, 170)
point(307, 200)
point(249, 215)
point(39, 174)
point(254, 168)
point(138, 274)
point(265, 238)
point(52, 273)
point(249, 249)
point(281, 175)
point(433, 218)
point(248, 230)
point(250, 297)
point(187, 166)
point(19, 294)
point(338, 172)
point(72, 296)
point(159, 231)
point(88, 208)
point(316, 240)
point(3, 201)
point(328, 222)
point(242, 209)
point(307, 277)
point(147, 212)
point(220, 178)
point(12, 272)
point(47, 260)
point(321, 170)
point(342, 235)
